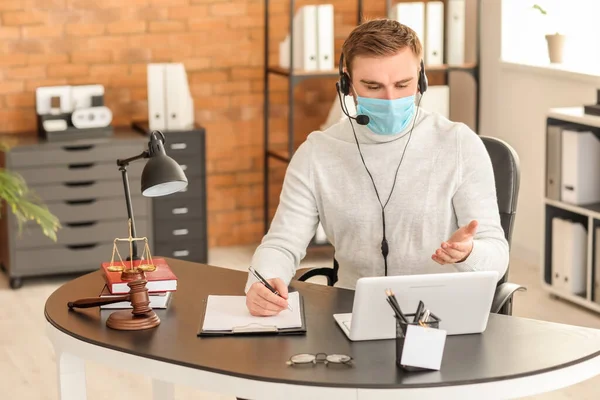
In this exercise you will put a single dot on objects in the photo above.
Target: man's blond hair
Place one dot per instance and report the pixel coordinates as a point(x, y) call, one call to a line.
point(377, 38)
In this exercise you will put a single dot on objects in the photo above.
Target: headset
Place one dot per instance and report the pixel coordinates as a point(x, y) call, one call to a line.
point(343, 87)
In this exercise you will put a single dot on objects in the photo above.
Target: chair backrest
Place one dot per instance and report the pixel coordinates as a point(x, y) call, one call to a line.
point(507, 173)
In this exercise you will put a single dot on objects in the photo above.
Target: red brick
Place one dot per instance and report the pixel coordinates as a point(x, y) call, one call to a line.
point(67, 70)
point(18, 18)
point(11, 87)
point(85, 29)
point(227, 9)
point(42, 31)
point(33, 84)
point(25, 73)
point(187, 12)
point(14, 59)
point(108, 70)
point(11, 5)
point(91, 57)
point(45, 59)
point(197, 64)
point(126, 27)
point(9, 33)
point(20, 100)
point(168, 2)
point(132, 55)
point(206, 25)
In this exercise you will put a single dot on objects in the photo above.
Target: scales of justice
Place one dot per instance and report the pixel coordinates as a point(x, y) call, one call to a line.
point(132, 271)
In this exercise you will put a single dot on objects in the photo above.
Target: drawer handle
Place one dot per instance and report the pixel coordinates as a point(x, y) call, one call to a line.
point(79, 183)
point(180, 232)
point(83, 201)
point(180, 210)
point(80, 224)
point(82, 246)
point(78, 148)
point(81, 165)
point(181, 253)
point(178, 146)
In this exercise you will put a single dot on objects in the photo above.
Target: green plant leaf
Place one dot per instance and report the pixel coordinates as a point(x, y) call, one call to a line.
point(540, 9)
point(25, 204)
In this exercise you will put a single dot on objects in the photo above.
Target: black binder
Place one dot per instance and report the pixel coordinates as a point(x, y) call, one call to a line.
point(254, 329)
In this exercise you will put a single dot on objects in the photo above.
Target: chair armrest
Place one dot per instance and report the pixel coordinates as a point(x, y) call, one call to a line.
point(306, 273)
point(504, 293)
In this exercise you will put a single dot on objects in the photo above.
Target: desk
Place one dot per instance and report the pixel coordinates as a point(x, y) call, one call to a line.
point(513, 357)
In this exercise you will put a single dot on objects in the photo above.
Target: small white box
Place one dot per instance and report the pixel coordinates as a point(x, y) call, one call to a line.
point(423, 347)
point(580, 177)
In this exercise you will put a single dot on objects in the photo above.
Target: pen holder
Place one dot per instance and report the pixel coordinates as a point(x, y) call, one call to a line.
point(419, 348)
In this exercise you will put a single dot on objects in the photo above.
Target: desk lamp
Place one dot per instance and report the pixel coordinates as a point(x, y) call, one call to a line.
point(161, 176)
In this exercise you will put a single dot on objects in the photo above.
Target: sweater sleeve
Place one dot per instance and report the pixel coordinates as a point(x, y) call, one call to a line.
point(294, 224)
point(475, 199)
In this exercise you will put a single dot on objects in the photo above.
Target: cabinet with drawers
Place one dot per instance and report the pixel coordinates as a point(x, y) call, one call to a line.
point(180, 220)
point(80, 183)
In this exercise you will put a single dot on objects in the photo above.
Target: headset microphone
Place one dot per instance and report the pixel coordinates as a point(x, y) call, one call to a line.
point(360, 119)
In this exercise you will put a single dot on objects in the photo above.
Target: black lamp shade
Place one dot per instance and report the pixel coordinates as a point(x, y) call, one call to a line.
point(162, 176)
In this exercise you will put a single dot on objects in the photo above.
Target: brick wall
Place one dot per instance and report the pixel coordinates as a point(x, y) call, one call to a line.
point(56, 42)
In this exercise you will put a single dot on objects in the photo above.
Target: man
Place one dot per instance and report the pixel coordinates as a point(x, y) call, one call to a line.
point(408, 193)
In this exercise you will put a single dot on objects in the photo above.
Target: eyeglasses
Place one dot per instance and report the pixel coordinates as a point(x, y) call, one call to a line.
point(306, 358)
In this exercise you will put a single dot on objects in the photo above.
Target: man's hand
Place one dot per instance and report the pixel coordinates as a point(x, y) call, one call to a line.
point(261, 302)
point(458, 247)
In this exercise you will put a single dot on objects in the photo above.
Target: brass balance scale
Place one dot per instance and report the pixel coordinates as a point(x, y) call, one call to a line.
point(142, 316)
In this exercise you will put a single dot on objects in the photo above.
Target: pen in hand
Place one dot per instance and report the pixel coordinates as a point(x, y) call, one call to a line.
point(266, 284)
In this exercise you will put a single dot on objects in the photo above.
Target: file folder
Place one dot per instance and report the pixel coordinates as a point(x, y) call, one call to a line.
point(228, 315)
point(434, 39)
point(569, 256)
point(580, 167)
point(157, 108)
point(456, 14)
point(325, 45)
point(553, 161)
point(411, 14)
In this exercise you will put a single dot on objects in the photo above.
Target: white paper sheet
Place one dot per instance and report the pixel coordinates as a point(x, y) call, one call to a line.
point(224, 313)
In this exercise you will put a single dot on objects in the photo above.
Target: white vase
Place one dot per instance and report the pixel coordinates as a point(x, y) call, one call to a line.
point(556, 46)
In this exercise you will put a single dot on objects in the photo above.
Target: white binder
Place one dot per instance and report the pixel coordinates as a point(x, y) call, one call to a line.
point(325, 37)
point(553, 163)
point(411, 14)
point(596, 285)
point(580, 169)
point(180, 104)
point(305, 40)
point(569, 256)
point(170, 103)
point(456, 14)
point(434, 39)
point(157, 110)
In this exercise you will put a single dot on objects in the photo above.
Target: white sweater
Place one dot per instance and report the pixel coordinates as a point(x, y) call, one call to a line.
point(445, 181)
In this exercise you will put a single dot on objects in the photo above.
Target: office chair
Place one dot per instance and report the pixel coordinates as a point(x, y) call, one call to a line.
point(505, 163)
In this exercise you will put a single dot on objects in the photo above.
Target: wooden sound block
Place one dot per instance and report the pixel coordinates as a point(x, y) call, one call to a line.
point(125, 320)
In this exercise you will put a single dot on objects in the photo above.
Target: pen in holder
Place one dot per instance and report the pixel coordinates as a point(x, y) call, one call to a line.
point(419, 344)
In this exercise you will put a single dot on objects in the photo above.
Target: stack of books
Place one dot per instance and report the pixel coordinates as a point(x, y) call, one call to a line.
point(161, 284)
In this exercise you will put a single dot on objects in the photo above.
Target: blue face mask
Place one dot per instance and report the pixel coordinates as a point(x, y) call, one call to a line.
point(387, 117)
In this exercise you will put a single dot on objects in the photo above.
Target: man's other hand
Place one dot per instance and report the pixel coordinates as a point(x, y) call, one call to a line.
point(458, 247)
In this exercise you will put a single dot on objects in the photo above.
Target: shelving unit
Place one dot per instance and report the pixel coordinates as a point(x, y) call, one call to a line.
point(588, 215)
point(296, 76)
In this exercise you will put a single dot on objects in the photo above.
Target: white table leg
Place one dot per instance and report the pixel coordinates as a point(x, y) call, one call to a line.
point(71, 377)
point(162, 390)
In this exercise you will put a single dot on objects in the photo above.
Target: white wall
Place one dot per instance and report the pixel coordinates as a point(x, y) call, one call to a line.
point(514, 102)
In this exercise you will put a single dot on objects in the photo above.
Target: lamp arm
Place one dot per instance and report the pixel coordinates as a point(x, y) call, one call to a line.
point(125, 162)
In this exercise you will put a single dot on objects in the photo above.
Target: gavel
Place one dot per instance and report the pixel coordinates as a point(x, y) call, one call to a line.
point(141, 317)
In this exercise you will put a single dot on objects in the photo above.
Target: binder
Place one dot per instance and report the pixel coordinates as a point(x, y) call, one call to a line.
point(325, 45)
point(456, 21)
point(411, 14)
point(569, 256)
point(434, 39)
point(553, 161)
point(580, 167)
point(157, 110)
point(179, 101)
point(596, 285)
point(234, 309)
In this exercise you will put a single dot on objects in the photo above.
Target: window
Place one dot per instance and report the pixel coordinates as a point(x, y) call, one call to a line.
point(524, 29)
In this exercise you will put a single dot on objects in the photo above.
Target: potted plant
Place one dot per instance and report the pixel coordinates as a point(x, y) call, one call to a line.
point(556, 40)
point(24, 203)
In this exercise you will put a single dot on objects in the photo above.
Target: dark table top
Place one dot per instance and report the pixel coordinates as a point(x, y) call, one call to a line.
point(511, 347)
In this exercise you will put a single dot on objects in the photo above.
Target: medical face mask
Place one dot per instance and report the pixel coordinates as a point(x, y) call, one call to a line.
point(387, 117)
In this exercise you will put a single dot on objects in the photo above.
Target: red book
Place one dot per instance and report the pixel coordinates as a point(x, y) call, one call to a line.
point(160, 280)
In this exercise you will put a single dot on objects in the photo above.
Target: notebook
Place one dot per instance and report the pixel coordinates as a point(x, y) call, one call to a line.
point(228, 315)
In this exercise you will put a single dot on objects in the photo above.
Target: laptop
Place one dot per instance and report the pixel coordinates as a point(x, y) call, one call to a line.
point(462, 300)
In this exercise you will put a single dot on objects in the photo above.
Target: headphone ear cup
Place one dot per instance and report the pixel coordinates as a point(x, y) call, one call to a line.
point(422, 79)
point(345, 84)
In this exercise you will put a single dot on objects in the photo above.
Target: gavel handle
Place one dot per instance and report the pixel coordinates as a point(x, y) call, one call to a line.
point(97, 301)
